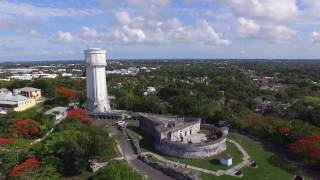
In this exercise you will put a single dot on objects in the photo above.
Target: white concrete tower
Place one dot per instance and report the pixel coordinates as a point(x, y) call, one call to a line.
point(97, 95)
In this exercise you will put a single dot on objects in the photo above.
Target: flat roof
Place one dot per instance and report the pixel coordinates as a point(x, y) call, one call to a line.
point(8, 102)
point(56, 109)
point(29, 89)
point(10, 97)
point(159, 119)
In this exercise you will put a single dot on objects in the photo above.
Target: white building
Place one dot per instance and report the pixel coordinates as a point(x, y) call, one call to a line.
point(225, 159)
point(21, 77)
point(66, 75)
point(150, 90)
point(15, 102)
point(59, 113)
point(97, 96)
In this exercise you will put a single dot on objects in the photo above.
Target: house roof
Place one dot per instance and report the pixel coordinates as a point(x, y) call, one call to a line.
point(5, 97)
point(29, 89)
point(59, 109)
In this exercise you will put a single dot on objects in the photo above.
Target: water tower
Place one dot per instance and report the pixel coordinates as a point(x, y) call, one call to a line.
point(97, 95)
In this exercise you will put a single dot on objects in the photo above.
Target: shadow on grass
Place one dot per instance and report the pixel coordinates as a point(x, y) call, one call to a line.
point(283, 165)
point(215, 162)
point(146, 142)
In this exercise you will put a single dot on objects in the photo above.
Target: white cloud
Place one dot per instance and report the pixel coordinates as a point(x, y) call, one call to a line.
point(34, 33)
point(275, 10)
point(316, 37)
point(28, 10)
point(139, 29)
point(129, 35)
point(247, 27)
point(279, 33)
point(62, 37)
point(123, 18)
point(206, 32)
point(88, 33)
point(148, 3)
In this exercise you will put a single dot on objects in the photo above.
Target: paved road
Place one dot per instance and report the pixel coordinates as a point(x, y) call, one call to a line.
point(143, 168)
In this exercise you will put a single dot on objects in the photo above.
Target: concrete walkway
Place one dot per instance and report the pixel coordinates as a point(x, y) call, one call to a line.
point(48, 133)
point(231, 172)
point(131, 157)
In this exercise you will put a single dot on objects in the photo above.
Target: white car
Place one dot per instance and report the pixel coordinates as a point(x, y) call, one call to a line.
point(121, 124)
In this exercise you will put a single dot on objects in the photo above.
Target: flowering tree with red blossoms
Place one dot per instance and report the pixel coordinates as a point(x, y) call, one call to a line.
point(66, 92)
point(250, 117)
point(28, 164)
point(5, 141)
point(308, 147)
point(79, 114)
point(27, 128)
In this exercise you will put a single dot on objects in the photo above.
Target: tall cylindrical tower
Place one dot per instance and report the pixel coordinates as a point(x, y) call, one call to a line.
point(97, 95)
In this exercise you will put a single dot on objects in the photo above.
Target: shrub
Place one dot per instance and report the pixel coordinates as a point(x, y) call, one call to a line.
point(66, 92)
point(28, 164)
point(79, 114)
point(5, 141)
point(308, 147)
point(27, 128)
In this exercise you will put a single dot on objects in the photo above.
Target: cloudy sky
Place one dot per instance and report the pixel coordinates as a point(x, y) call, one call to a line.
point(61, 29)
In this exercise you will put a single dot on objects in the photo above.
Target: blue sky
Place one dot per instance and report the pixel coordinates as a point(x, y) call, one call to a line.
point(61, 29)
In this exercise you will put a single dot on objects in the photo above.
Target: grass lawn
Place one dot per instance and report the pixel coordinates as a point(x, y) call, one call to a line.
point(270, 166)
point(313, 99)
point(211, 163)
point(84, 175)
point(29, 113)
point(146, 143)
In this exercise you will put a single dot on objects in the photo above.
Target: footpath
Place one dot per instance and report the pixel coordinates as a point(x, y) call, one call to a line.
point(246, 161)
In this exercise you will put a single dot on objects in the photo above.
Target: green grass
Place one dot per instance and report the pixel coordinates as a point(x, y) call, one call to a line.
point(117, 170)
point(211, 163)
point(133, 134)
point(269, 165)
point(84, 175)
point(313, 99)
point(146, 143)
point(29, 113)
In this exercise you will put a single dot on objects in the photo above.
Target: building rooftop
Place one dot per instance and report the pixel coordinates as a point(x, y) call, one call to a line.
point(159, 119)
point(59, 109)
point(164, 123)
point(29, 89)
point(5, 97)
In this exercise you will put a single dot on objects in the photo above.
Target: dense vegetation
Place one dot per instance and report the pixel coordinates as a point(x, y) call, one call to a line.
point(117, 170)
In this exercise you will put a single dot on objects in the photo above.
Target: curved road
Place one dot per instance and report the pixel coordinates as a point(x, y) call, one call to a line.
point(131, 157)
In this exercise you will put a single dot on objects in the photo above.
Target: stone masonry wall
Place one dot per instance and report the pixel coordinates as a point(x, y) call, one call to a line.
point(192, 151)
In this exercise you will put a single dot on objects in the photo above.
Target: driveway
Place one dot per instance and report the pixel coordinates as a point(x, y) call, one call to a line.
point(143, 168)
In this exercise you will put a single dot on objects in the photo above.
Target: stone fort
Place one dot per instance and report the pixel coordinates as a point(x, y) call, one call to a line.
point(181, 137)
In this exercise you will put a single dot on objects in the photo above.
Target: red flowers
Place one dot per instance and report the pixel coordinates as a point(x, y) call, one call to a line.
point(27, 128)
point(29, 164)
point(5, 141)
point(251, 118)
point(66, 92)
point(284, 130)
point(80, 115)
point(307, 146)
